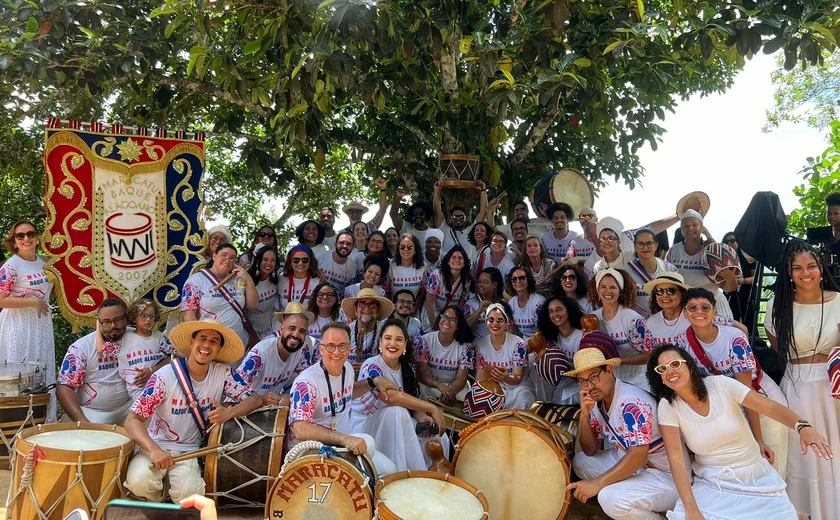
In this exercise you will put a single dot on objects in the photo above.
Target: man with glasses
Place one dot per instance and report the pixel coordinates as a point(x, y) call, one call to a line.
point(321, 396)
point(403, 311)
point(416, 219)
point(519, 233)
point(456, 230)
point(90, 388)
point(537, 225)
point(336, 266)
point(366, 314)
point(632, 480)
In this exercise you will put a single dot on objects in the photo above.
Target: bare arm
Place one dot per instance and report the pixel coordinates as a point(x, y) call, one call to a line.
point(6, 302)
point(396, 218)
point(460, 381)
point(70, 403)
point(740, 326)
point(636, 359)
point(383, 204)
point(430, 307)
point(774, 341)
point(139, 434)
point(745, 378)
point(190, 315)
point(679, 472)
point(306, 431)
point(633, 460)
point(482, 205)
point(439, 218)
point(424, 376)
point(658, 226)
point(252, 298)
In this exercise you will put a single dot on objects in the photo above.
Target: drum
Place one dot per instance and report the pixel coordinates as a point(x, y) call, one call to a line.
point(17, 414)
point(569, 186)
point(564, 418)
point(458, 170)
point(716, 257)
point(481, 401)
point(518, 461)
point(21, 378)
point(61, 467)
point(427, 495)
point(325, 483)
point(243, 473)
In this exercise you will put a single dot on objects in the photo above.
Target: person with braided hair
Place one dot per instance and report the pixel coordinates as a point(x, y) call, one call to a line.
point(801, 324)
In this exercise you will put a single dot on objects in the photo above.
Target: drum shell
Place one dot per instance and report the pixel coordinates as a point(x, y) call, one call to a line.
point(481, 402)
point(564, 418)
point(56, 473)
point(264, 457)
point(513, 456)
point(20, 378)
point(14, 411)
point(384, 513)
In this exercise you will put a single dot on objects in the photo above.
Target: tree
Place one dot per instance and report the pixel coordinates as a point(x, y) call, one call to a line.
point(529, 86)
point(810, 95)
point(822, 176)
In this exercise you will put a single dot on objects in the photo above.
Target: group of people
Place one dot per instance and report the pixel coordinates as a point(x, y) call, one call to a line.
point(356, 330)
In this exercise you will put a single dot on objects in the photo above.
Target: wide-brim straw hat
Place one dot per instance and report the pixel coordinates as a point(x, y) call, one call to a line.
point(668, 277)
point(355, 205)
point(294, 308)
point(588, 358)
point(181, 337)
point(348, 305)
point(696, 200)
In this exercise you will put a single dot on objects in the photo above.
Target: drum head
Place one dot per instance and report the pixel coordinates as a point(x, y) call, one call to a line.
point(15, 370)
point(519, 463)
point(571, 187)
point(426, 495)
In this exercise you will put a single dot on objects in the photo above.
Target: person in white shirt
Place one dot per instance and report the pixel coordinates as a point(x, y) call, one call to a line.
point(265, 236)
point(536, 260)
point(392, 241)
point(90, 388)
point(321, 397)
point(446, 357)
point(451, 283)
point(479, 241)
point(731, 478)
point(456, 230)
point(355, 210)
point(526, 303)
point(632, 479)
point(375, 269)
point(645, 267)
point(336, 266)
point(571, 281)
point(300, 276)
point(490, 288)
point(375, 248)
point(559, 324)
point(408, 269)
point(537, 225)
point(144, 350)
point(366, 312)
point(558, 240)
point(416, 219)
point(393, 424)
point(431, 248)
point(311, 233)
point(216, 236)
point(404, 305)
point(616, 244)
point(326, 217)
point(263, 272)
point(324, 306)
point(494, 255)
point(272, 364)
point(176, 421)
point(360, 233)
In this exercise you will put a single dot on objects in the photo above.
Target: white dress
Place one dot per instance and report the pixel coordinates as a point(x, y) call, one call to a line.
point(25, 336)
point(689, 266)
point(513, 354)
point(732, 480)
point(628, 331)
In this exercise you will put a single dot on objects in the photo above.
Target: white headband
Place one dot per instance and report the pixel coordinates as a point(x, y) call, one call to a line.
point(690, 213)
point(497, 307)
point(609, 271)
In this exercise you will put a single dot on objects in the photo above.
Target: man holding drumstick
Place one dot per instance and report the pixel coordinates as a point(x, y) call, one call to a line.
point(182, 401)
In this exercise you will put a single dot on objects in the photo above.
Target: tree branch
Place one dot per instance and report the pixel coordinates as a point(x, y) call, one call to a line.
point(417, 132)
point(538, 130)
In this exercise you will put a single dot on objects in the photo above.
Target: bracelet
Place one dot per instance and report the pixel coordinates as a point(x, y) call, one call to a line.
point(800, 425)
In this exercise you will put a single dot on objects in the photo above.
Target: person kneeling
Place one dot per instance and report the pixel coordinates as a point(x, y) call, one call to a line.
point(395, 425)
point(182, 400)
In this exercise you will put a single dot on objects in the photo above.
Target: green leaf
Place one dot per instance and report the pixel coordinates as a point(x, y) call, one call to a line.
point(253, 48)
point(611, 47)
point(509, 76)
point(641, 5)
point(582, 62)
point(299, 65)
point(88, 32)
point(297, 110)
point(32, 25)
point(822, 29)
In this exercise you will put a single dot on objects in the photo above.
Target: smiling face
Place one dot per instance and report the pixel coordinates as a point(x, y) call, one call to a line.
point(448, 321)
point(360, 231)
point(608, 290)
point(224, 260)
point(355, 215)
point(344, 245)
point(519, 231)
point(498, 244)
point(392, 345)
point(805, 272)
point(569, 281)
point(392, 238)
point(519, 280)
point(293, 332)
point(609, 241)
point(301, 266)
point(520, 210)
point(29, 243)
point(497, 324)
point(266, 236)
point(366, 310)
point(458, 219)
point(700, 312)
point(486, 285)
point(373, 274)
point(533, 248)
point(334, 361)
point(326, 218)
point(325, 300)
point(674, 378)
point(376, 243)
point(668, 296)
point(432, 248)
point(268, 264)
point(205, 346)
point(214, 241)
point(404, 306)
point(560, 221)
point(557, 313)
point(406, 249)
point(456, 261)
point(691, 228)
point(310, 233)
point(480, 234)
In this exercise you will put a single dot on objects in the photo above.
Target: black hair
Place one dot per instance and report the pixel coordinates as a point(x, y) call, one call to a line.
point(463, 332)
point(517, 203)
point(425, 206)
point(832, 199)
point(698, 292)
point(453, 209)
point(312, 306)
point(417, 261)
point(402, 291)
point(467, 284)
point(557, 285)
point(547, 327)
point(222, 336)
point(385, 251)
point(520, 221)
point(409, 378)
point(299, 231)
point(560, 206)
point(529, 280)
point(254, 270)
point(496, 277)
point(658, 388)
point(112, 302)
point(645, 231)
point(487, 230)
point(380, 261)
point(224, 245)
point(654, 305)
point(506, 306)
point(344, 232)
point(336, 325)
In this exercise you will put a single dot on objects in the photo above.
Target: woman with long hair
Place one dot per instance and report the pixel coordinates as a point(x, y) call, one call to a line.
point(408, 268)
point(393, 425)
point(446, 357)
point(490, 287)
point(537, 261)
point(494, 255)
point(801, 323)
point(375, 249)
point(392, 240)
point(731, 478)
point(559, 324)
point(645, 267)
point(525, 303)
point(451, 283)
point(360, 238)
point(265, 236)
point(614, 292)
point(375, 269)
point(571, 281)
point(299, 278)
point(263, 272)
point(479, 238)
point(325, 305)
point(26, 328)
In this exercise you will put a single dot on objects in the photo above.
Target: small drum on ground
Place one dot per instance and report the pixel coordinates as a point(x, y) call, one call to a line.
point(61, 467)
point(322, 483)
point(24, 403)
point(518, 461)
point(483, 399)
point(243, 473)
point(426, 495)
point(564, 418)
point(21, 379)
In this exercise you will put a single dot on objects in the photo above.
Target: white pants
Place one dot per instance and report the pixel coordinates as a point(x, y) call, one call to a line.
point(520, 397)
point(104, 416)
point(637, 497)
point(384, 466)
point(185, 478)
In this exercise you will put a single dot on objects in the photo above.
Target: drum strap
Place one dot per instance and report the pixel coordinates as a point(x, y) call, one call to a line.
point(620, 443)
point(179, 365)
point(226, 294)
point(704, 360)
point(453, 291)
point(640, 270)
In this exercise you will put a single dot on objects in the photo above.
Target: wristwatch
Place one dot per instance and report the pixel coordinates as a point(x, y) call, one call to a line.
point(802, 424)
point(370, 383)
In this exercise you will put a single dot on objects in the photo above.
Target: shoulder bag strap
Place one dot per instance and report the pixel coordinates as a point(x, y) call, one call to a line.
point(226, 294)
point(179, 365)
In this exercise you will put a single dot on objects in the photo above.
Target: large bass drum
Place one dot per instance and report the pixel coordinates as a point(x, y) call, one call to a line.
point(243, 474)
point(568, 185)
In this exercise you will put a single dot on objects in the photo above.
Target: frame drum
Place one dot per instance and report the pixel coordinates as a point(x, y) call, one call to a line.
point(513, 457)
point(428, 495)
point(243, 474)
point(568, 185)
point(65, 466)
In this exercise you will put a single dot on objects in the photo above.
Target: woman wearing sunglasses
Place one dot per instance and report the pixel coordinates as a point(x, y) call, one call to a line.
point(325, 305)
point(571, 282)
point(26, 329)
point(299, 278)
point(731, 478)
point(526, 303)
point(264, 236)
point(407, 269)
point(645, 267)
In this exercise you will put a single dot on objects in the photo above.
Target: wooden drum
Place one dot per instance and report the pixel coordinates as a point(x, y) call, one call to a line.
point(564, 418)
point(242, 475)
point(428, 495)
point(47, 460)
point(518, 461)
point(24, 403)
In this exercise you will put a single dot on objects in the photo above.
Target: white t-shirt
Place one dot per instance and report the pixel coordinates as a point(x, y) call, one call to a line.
point(513, 354)
point(558, 248)
point(369, 403)
point(453, 237)
point(643, 298)
point(199, 296)
point(627, 329)
point(435, 286)
point(689, 266)
point(525, 317)
point(94, 376)
point(730, 352)
point(631, 421)
point(807, 326)
point(262, 319)
point(301, 292)
point(263, 371)
point(623, 258)
point(315, 327)
point(415, 330)
point(408, 227)
point(340, 275)
point(21, 278)
point(569, 345)
point(172, 425)
point(351, 291)
point(358, 258)
point(471, 306)
point(408, 278)
point(536, 226)
point(662, 331)
point(445, 362)
point(311, 401)
point(732, 445)
point(504, 266)
point(137, 353)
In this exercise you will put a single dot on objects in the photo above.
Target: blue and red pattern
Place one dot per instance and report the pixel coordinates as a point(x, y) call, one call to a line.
point(480, 402)
point(73, 369)
point(150, 397)
point(303, 404)
point(600, 340)
point(834, 372)
point(552, 364)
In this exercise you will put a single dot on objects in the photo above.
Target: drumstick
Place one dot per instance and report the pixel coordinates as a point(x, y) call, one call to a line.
point(201, 452)
point(552, 273)
point(231, 275)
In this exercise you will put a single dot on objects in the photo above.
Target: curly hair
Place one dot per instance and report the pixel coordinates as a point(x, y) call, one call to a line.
point(409, 377)
point(495, 277)
point(530, 283)
point(627, 296)
point(659, 389)
point(138, 306)
point(312, 306)
point(380, 261)
point(468, 283)
point(557, 285)
point(254, 270)
point(547, 327)
point(654, 305)
point(463, 332)
point(698, 292)
point(299, 231)
point(488, 231)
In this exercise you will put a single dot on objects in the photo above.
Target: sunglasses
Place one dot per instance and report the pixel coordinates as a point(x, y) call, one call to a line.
point(516, 279)
point(406, 248)
point(659, 291)
point(731, 241)
point(586, 217)
point(569, 278)
point(304, 259)
point(673, 365)
point(459, 217)
point(28, 234)
point(265, 235)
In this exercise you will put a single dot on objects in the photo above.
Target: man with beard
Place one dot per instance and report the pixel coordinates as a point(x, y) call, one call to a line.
point(336, 266)
point(272, 364)
point(538, 225)
point(456, 230)
point(516, 249)
point(365, 314)
point(181, 403)
point(90, 388)
point(326, 217)
point(416, 219)
point(355, 210)
point(558, 240)
point(403, 307)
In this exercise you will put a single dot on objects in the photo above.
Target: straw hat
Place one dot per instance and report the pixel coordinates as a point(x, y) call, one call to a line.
point(348, 305)
point(667, 277)
point(355, 205)
point(181, 337)
point(294, 308)
point(587, 358)
point(696, 200)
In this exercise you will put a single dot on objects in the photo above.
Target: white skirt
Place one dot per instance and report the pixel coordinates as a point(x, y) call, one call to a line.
point(813, 483)
point(27, 337)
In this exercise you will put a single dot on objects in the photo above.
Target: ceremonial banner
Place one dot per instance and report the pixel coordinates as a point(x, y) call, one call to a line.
point(123, 215)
